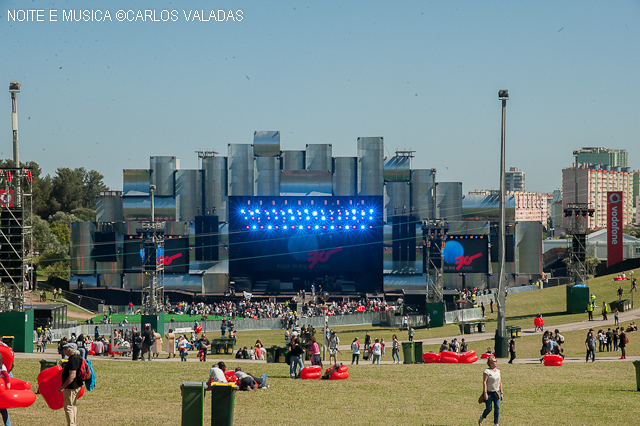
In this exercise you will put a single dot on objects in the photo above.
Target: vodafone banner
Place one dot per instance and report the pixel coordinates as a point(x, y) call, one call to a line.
point(614, 227)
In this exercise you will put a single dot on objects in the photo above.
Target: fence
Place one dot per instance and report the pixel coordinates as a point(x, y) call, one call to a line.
point(462, 315)
point(88, 303)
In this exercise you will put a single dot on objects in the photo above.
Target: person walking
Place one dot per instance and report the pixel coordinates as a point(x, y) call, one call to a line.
point(623, 343)
point(411, 333)
point(395, 350)
point(71, 383)
point(492, 390)
point(512, 349)
point(620, 293)
point(605, 311)
point(355, 351)
point(615, 317)
point(314, 352)
point(428, 321)
point(491, 305)
point(295, 359)
point(590, 311)
point(482, 307)
point(171, 343)
point(377, 351)
point(590, 343)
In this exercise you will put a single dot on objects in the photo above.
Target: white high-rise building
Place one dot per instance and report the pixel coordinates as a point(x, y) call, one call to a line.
point(514, 180)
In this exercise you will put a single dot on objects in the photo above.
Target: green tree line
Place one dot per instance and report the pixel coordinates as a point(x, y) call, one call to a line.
point(68, 196)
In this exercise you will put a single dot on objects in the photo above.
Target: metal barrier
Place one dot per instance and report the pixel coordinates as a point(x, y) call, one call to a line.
point(463, 315)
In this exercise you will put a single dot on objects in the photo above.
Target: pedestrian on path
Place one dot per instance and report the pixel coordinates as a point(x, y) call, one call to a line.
point(615, 317)
point(512, 349)
point(491, 305)
point(395, 350)
point(492, 391)
point(590, 343)
point(605, 311)
point(590, 311)
point(623, 344)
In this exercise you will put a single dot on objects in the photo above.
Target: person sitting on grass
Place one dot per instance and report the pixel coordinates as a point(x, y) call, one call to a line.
point(216, 374)
point(489, 351)
point(444, 346)
point(247, 382)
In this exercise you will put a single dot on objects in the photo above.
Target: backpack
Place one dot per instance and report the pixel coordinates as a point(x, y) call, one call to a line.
point(87, 375)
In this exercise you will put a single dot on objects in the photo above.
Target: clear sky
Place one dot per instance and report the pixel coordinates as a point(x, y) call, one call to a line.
point(425, 75)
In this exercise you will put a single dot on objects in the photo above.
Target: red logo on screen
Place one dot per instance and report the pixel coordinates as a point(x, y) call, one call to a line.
point(466, 260)
point(321, 256)
point(6, 198)
point(168, 259)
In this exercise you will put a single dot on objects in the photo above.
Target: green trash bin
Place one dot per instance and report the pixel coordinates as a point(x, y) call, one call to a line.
point(481, 327)
point(408, 353)
point(8, 340)
point(417, 351)
point(636, 364)
point(47, 363)
point(271, 354)
point(518, 331)
point(223, 400)
point(192, 403)
point(469, 328)
point(281, 354)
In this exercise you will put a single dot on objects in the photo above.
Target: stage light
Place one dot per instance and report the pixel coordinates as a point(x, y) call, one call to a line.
point(371, 211)
point(308, 218)
point(339, 218)
point(242, 211)
point(254, 227)
point(362, 227)
point(276, 217)
point(353, 211)
point(306, 211)
point(370, 217)
point(346, 228)
point(269, 227)
point(362, 213)
point(247, 226)
point(293, 218)
point(289, 211)
point(245, 218)
point(323, 218)
point(300, 227)
point(257, 211)
point(284, 227)
point(317, 227)
point(315, 213)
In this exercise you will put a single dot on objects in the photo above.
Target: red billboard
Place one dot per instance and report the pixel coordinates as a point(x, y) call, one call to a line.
point(614, 227)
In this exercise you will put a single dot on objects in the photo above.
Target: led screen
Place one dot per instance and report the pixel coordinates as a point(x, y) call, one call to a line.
point(465, 254)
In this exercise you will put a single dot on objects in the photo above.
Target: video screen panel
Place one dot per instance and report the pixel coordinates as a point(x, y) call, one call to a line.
point(175, 256)
point(465, 254)
point(305, 237)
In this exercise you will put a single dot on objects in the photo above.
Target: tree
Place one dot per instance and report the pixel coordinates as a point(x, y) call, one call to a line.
point(592, 263)
point(84, 214)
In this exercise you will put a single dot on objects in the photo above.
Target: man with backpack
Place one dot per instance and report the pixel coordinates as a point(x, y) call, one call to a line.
point(71, 382)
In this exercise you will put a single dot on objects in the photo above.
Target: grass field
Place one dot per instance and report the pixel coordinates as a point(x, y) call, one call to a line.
point(137, 393)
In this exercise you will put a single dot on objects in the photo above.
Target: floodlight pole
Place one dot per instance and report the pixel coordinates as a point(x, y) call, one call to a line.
point(501, 340)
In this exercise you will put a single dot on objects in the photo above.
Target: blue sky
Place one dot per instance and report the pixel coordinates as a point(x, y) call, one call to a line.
point(425, 75)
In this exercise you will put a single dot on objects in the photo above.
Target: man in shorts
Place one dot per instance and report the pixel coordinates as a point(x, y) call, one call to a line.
point(334, 342)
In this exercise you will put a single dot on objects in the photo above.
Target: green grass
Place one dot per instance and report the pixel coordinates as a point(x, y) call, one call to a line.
point(149, 394)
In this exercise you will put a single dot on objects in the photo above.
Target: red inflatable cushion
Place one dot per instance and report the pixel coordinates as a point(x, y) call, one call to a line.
point(310, 375)
point(313, 368)
point(337, 375)
point(199, 329)
point(468, 359)
point(553, 360)
point(49, 381)
point(7, 356)
point(538, 322)
point(15, 398)
point(485, 356)
point(430, 357)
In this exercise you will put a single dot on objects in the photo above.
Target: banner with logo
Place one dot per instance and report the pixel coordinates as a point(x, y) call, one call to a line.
point(614, 227)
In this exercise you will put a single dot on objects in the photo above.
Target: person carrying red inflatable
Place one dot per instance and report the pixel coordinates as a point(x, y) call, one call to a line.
point(538, 322)
point(71, 382)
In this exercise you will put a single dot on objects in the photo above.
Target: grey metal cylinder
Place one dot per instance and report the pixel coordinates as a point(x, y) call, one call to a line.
point(318, 156)
point(345, 176)
point(82, 242)
point(109, 206)
point(188, 194)
point(293, 160)
point(162, 174)
point(370, 166)
point(422, 193)
point(267, 174)
point(215, 186)
point(240, 170)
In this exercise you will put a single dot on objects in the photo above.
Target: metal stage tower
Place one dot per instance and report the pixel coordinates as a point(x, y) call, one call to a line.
point(579, 214)
point(16, 239)
point(434, 233)
point(152, 254)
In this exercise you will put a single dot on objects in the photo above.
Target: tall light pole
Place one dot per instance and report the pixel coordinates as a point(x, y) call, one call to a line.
point(501, 343)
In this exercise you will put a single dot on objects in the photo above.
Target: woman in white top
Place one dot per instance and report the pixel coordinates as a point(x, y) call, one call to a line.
point(377, 352)
point(355, 348)
point(492, 390)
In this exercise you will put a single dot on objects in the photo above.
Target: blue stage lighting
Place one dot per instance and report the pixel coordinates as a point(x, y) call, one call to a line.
point(306, 210)
point(308, 218)
point(370, 217)
point(362, 227)
point(339, 218)
point(315, 213)
point(254, 227)
point(333, 227)
point(269, 227)
point(257, 211)
point(289, 211)
point(323, 218)
point(242, 211)
point(293, 218)
point(284, 227)
point(300, 227)
point(353, 211)
point(317, 227)
point(245, 218)
point(371, 211)
point(346, 228)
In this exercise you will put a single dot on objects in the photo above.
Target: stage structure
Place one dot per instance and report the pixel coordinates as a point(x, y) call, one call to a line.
point(205, 239)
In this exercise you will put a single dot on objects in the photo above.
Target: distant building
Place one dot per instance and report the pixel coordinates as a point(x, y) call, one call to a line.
point(529, 206)
point(514, 180)
point(593, 183)
point(603, 157)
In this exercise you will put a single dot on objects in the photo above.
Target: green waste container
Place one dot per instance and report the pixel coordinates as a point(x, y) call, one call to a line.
point(407, 351)
point(8, 340)
point(47, 363)
point(271, 354)
point(223, 400)
point(281, 354)
point(636, 364)
point(517, 330)
point(417, 351)
point(192, 403)
point(470, 328)
point(481, 327)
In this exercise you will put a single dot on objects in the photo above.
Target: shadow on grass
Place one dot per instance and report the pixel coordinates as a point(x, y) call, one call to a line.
point(546, 315)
